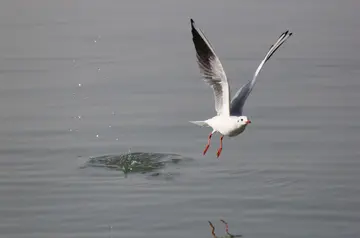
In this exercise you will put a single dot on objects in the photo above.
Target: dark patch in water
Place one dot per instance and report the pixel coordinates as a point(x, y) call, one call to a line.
point(137, 162)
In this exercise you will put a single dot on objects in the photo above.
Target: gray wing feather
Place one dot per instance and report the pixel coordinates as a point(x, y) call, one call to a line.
point(238, 101)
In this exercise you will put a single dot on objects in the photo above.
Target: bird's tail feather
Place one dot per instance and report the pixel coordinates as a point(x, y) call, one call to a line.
point(199, 123)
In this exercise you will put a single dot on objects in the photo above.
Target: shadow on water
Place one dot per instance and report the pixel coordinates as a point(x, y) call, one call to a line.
point(137, 162)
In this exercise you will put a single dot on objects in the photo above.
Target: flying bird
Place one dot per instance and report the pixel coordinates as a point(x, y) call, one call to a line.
point(229, 120)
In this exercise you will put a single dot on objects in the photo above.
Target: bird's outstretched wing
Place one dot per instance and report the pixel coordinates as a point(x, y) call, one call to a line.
point(238, 101)
point(211, 70)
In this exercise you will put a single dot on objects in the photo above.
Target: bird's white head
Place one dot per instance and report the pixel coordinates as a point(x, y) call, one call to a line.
point(242, 121)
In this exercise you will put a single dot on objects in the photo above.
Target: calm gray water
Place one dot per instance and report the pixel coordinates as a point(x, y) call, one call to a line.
point(89, 78)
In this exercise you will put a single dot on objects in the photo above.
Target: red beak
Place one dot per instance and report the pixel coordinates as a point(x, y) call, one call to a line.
point(248, 122)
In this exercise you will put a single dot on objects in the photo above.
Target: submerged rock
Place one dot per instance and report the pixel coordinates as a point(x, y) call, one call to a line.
point(137, 162)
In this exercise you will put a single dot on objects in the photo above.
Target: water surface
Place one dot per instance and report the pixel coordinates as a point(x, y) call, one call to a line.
point(80, 79)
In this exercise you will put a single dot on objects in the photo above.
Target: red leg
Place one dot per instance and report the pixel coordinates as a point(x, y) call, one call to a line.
point(221, 145)
point(227, 230)
point(226, 226)
point(208, 144)
point(212, 229)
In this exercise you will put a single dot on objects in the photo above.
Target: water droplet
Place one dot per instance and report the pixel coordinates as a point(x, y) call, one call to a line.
point(80, 84)
point(70, 129)
point(113, 113)
point(117, 138)
point(97, 136)
point(109, 126)
point(98, 69)
point(94, 41)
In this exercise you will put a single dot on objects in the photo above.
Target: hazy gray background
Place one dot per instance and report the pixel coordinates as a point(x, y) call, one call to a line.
point(294, 172)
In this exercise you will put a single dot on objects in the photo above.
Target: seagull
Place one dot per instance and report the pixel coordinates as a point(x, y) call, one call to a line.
point(229, 120)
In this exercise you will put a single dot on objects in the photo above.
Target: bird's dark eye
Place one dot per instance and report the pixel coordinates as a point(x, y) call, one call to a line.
point(241, 119)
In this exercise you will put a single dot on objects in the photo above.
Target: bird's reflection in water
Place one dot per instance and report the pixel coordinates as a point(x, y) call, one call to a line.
point(228, 235)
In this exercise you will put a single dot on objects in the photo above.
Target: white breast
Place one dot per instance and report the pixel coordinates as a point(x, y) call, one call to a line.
point(225, 125)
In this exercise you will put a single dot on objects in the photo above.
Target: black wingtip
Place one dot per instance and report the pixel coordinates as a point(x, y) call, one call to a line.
point(288, 32)
point(284, 33)
point(192, 23)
